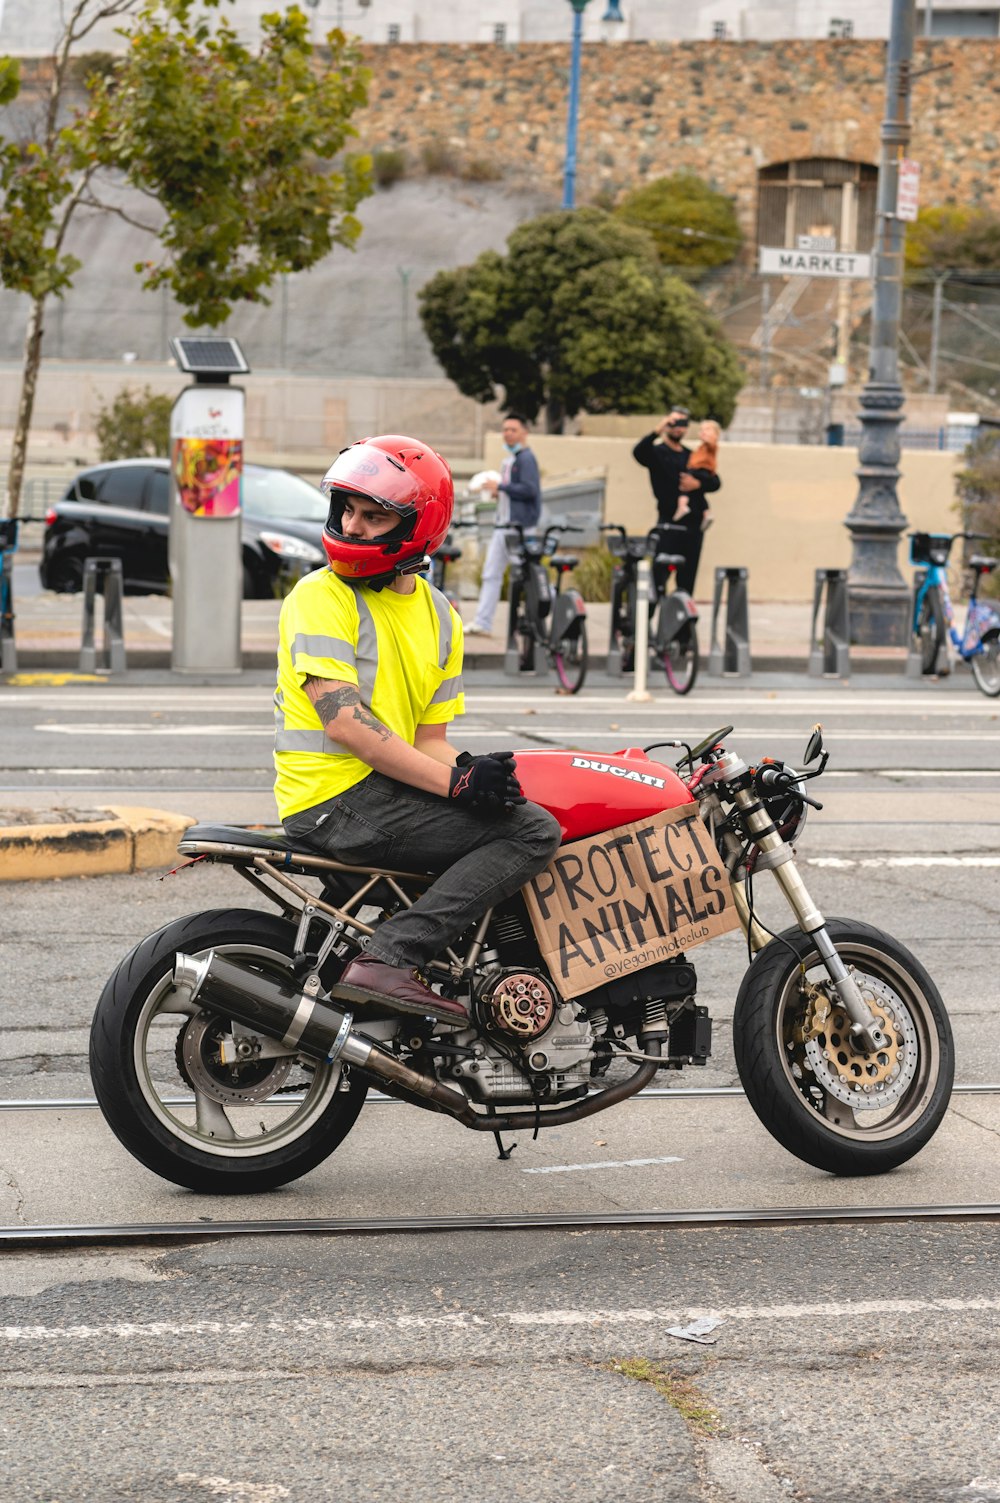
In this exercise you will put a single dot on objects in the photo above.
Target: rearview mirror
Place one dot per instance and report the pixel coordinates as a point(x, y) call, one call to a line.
point(814, 746)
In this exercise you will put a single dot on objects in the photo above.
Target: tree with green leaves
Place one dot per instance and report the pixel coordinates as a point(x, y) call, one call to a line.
point(237, 150)
point(694, 227)
point(947, 237)
point(579, 316)
point(135, 423)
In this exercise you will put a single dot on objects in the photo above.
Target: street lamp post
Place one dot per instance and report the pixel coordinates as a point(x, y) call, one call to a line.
point(878, 592)
point(612, 14)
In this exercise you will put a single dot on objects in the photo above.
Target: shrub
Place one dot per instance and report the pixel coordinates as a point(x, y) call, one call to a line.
point(388, 166)
point(592, 575)
point(438, 157)
point(480, 170)
point(979, 498)
point(136, 424)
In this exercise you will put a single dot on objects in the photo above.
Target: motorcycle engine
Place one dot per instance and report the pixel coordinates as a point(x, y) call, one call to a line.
point(529, 1044)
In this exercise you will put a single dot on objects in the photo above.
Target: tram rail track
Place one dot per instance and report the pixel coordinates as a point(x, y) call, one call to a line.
point(376, 1098)
point(168, 1233)
point(25, 1237)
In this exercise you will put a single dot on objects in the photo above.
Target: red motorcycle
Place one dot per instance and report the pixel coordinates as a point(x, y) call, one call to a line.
point(224, 1061)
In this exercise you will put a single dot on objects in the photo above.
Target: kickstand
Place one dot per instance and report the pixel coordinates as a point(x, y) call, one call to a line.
point(502, 1152)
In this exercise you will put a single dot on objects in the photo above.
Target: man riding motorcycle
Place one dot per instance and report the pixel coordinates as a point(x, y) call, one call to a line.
point(369, 677)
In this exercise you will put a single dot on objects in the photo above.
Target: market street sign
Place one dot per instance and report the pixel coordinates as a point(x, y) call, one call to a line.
point(778, 262)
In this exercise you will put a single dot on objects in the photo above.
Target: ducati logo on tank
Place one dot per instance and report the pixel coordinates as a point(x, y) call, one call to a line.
point(628, 898)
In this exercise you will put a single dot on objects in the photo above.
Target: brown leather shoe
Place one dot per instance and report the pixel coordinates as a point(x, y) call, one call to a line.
point(399, 987)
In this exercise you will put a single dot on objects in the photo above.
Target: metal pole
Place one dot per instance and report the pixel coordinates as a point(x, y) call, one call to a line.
point(928, 18)
point(404, 277)
point(569, 171)
point(932, 374)
point(640, 654)
point(283, 328)
point(878, 593)
point(765, 334)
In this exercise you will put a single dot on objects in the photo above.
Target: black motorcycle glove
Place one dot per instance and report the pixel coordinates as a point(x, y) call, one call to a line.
point(486, 782)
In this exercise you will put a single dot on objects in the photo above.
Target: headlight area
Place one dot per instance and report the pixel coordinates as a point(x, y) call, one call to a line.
point(288, 547)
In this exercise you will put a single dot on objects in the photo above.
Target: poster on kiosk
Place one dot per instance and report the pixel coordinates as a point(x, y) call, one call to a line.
point(206, 555)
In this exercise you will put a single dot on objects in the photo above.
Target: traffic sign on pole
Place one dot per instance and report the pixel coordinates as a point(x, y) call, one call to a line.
point(908, 189)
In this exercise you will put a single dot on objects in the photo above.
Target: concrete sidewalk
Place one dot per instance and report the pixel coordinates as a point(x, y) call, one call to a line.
point(48, 632)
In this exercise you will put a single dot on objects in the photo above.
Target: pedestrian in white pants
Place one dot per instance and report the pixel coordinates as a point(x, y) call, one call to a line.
point(519, 499)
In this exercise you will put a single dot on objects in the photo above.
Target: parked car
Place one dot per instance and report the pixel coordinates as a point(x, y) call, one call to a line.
point(121, 510)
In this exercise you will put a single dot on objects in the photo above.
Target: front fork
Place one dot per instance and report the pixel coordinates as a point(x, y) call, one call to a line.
point(777, 856)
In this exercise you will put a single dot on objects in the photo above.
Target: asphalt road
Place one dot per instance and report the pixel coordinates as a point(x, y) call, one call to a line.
point(852, 1362)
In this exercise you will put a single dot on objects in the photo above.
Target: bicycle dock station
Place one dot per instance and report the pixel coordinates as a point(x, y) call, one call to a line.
point(102, 576)
point(830, 654)
point(731, 658)
point(8, 647)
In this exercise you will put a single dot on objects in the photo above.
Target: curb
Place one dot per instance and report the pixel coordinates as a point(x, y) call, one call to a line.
point(91, 842)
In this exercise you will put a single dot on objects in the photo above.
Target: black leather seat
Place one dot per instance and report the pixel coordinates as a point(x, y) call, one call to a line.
point(669, 560)
point(564, 560)
point(984, 565)
point(256, 840)
point(276, 847)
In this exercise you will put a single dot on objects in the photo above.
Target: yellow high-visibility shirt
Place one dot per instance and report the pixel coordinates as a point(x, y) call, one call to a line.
point(404, 652)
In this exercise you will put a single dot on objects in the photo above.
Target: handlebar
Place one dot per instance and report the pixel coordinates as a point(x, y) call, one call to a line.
point(551, 532)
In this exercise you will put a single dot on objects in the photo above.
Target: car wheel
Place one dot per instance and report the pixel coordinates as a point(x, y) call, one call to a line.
point(66, 577)
point(251, 584)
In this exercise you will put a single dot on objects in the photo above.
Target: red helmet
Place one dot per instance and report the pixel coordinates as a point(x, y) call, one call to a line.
point(406, 477)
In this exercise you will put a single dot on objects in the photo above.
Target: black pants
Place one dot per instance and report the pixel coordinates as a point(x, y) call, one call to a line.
point(685, 541)
point(482, 858)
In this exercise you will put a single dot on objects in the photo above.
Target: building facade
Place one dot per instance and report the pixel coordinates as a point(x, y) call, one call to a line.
point(30, 27)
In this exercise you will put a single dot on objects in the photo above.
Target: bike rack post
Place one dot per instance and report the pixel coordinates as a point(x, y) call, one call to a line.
point(914, 657)
point(734, 658)
point(8, 647)
point(830, 654)
point(614, 663)
point(640, 656)
point(103, 576)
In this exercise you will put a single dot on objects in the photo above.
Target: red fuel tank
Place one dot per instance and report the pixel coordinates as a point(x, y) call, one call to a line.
point(593, 791)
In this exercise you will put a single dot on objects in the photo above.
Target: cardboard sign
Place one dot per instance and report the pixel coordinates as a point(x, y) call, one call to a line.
point(628, 898)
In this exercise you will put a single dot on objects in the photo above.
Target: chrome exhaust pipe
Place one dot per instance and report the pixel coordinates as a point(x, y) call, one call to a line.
point(309, 1025)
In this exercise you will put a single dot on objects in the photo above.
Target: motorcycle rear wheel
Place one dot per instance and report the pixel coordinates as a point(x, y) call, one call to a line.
point(154, 1065)
point(842, 1111)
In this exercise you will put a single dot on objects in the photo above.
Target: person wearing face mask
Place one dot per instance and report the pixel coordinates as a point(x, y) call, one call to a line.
point(519, 500)
point(675, 482)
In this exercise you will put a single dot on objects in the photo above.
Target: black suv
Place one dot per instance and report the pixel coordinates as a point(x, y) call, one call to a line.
point(121, 510)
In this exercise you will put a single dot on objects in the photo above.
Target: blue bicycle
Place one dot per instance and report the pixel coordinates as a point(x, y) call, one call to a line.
point(934, 630)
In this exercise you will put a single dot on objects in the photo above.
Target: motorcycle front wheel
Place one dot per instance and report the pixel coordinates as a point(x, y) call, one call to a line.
point(827, 1103)
point(155, 1061)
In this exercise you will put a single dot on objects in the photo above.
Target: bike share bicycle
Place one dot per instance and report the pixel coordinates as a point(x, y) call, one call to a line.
point(933, 626)
point(674, 638)
point(553, 619)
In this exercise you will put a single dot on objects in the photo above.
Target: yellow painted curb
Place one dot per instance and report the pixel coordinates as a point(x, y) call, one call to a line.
point(128, 839)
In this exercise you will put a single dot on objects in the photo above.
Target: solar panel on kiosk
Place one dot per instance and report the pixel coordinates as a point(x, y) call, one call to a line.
point(201, 356)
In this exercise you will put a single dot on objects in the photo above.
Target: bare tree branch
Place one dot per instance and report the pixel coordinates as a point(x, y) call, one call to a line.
point(90, 202)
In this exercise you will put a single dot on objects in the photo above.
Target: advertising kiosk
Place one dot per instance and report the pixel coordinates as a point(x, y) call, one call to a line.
point(206, 469)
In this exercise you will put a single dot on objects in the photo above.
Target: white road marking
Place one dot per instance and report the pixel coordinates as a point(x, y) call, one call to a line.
point(137, 729)
point(843, 862)
point(460, 1320)
point(600, 1164)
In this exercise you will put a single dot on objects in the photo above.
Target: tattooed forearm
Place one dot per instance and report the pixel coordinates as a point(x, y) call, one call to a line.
point(364, 716)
